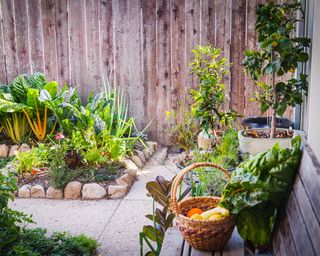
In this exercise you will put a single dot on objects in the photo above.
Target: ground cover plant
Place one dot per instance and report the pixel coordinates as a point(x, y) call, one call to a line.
point(90, 138)
point(17, 240)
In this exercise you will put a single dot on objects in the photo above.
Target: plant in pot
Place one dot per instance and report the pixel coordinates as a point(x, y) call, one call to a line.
point(210, 99)
point(280, 52)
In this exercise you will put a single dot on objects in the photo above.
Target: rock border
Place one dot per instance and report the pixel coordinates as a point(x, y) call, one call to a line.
point(94, 191)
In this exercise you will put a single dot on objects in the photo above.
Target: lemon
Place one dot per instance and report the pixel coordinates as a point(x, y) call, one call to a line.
point(196, 216)
point(216, 216)
point(217, 210)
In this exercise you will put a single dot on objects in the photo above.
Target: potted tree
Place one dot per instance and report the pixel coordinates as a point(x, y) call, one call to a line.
point(280, 52)
point(210, 99)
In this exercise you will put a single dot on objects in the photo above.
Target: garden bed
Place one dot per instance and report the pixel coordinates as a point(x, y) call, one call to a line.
point(113, 186)
point(92, 182)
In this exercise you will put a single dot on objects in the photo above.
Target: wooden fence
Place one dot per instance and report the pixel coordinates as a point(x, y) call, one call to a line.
point(141, 46)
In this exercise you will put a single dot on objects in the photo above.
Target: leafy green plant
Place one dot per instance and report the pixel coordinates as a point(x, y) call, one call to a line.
point(209, 99)
point(279, 55)
point(258, 187)
point(30, 95)
point(5, 161)
point(208, 181)
point(160, 191)
point(36, 242)
point(37, 157)
point(60, 173)
point(10, 220)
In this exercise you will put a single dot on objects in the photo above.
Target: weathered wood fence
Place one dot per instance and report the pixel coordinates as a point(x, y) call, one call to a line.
point(142, 46)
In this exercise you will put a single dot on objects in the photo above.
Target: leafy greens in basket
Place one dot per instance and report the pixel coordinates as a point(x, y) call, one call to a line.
point(258, 187)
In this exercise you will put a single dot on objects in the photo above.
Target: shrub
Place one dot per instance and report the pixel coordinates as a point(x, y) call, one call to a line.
point(34, 242)
point(10, 220)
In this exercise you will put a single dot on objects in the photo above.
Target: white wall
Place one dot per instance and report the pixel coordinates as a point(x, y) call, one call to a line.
point(314, 92)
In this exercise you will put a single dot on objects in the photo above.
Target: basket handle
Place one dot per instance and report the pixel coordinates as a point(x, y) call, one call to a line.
point(180, 175)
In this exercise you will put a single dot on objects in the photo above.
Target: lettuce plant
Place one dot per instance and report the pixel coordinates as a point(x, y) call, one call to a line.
point(258, 187)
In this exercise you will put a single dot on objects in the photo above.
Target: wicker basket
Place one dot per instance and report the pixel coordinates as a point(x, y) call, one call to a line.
point(206, 235)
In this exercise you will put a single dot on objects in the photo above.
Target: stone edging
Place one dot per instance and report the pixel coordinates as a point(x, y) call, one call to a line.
point(77, 190)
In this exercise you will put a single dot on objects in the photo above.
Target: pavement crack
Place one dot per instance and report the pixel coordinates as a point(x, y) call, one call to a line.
point(108, 222)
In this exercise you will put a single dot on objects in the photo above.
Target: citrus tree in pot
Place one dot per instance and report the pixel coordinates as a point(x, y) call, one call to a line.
point(279, 54)
point(210, 98)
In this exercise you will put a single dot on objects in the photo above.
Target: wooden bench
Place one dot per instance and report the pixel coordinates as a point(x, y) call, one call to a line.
point(297, 229)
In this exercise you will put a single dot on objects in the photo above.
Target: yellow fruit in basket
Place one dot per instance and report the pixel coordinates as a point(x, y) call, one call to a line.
point(217, 210)
point(196, 216)
point(216, 216)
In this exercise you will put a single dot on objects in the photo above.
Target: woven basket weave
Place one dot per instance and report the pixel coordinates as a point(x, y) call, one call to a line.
point(205, 235)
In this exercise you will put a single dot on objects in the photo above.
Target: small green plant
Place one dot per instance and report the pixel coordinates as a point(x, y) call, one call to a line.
point(210, 99)
point(208, 181)
point(183, 132)
point(279, 55)
point(160, 191)
point(37, 157)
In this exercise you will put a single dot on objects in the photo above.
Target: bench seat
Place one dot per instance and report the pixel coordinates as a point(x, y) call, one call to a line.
point(175, 245)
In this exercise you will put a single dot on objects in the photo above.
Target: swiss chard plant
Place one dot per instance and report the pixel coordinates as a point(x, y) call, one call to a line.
point(280, 52)
point(209, 106)
point(258, 187)
point(27, 95)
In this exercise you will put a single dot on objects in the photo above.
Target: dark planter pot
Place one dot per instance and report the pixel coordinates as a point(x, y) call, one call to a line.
point(265, 122)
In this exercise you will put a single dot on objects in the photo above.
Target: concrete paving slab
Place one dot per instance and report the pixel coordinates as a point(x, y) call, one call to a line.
point(75, 216)
point(121, 236)
point(138, 190)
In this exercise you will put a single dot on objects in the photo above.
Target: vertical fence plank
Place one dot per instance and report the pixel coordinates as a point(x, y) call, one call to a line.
point(223, 36)
point(22, 41)
point(93, 46)
point(106, 40)
point(178, 44)
point(120, 32)
point(237, 48)
point(9, 37)
point(192, 21)
point(35, 36)
point(163, 70)
point(150, 64)
point(208, 23)
point(3, 74)
point(135, 62)
point(49, 39)
point(78, 60)
point(251, 107)
point(62, 32)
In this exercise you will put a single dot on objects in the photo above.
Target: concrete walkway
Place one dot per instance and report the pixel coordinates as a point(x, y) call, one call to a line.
point(114, 223)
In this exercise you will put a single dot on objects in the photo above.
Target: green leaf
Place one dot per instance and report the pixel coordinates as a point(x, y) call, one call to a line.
point(32, 97)
point(263, 106)
point(281, 109)
point(157, 192)
point(303, 57)
point(52, 88)
point(152, 234)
